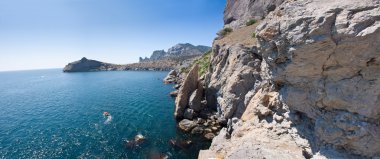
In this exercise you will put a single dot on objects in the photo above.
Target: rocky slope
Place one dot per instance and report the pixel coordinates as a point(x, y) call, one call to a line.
point(177, 52)
point(238, 12)
point(306, 86)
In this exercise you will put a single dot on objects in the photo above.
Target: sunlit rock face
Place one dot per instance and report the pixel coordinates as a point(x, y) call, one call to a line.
point(309, 86)
point(325, 57)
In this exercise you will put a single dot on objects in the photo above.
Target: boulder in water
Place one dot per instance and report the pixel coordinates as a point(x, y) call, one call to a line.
point(186, 125)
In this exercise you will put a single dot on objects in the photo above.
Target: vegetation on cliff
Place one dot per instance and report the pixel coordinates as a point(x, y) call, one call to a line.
point(203, 62)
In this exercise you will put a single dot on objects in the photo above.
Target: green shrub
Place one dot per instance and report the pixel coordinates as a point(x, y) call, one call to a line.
point(203, 63)
point(225, 31)
point(254, 35)
point(251, 22)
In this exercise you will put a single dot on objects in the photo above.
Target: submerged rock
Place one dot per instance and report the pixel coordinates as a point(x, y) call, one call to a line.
point(135, 142)
point(182, 144)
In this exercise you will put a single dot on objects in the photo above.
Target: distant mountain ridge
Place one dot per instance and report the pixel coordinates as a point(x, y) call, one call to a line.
point(179, 51)
point(159, 61)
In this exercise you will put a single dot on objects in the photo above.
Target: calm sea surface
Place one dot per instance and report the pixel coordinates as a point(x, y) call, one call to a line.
point(50, 114)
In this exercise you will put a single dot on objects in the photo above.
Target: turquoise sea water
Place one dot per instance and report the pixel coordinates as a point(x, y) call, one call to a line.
point(50, 114)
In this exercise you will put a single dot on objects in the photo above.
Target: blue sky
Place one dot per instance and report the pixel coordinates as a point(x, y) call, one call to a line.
point(38, 34)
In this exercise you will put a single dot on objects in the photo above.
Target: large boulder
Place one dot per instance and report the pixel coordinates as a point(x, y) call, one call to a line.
point(195, 101)
point(324, 55)
point(171, 77)
point(188, 86)
point(187, 125)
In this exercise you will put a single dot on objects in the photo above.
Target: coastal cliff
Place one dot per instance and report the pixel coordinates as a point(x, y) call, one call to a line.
point(179, 51)
point(176, 56)
point(292, 79)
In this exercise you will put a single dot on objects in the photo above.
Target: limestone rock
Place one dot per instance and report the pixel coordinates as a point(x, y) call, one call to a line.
point(238, 12)
point(171, 77)
point(188, 86)
point(234, 72)
point(186, 125)
point(179, 51)
point(324, 54)
point(196, 98)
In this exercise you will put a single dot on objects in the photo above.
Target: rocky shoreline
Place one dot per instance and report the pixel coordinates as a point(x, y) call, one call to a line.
point(191, 112)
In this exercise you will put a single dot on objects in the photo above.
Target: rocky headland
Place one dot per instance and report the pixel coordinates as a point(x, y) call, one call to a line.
point(287, 79)
point(177, 52)
point(177, 56)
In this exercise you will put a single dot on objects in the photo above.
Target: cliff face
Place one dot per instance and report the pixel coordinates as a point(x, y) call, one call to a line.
point(306, 87)
point(238, 12)
point(179, 51)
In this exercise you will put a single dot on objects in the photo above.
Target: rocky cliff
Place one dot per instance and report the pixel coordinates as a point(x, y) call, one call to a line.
point(177, 52)
point(302, 83)
point(238, 12)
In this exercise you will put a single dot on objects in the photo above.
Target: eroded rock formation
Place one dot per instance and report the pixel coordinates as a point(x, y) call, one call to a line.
point(177, 52)
point(188, 86)
point(238, 12)
point(307, 88)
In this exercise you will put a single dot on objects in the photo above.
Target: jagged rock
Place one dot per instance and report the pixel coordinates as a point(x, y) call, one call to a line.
point(324, 54)
point(195, 101)
point(188, 86)
point(189, 114)
point(237, 13)
point(260, 105)
point(179, 51)
point(171, 77)
point(234, 72)
point(186, 125)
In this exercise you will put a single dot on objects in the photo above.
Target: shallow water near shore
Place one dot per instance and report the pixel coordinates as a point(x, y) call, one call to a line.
point(50, 114)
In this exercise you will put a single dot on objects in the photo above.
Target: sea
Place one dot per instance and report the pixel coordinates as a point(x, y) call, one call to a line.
point(51, 114)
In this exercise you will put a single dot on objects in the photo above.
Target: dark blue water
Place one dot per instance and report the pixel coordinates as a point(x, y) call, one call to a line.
point(50, 114)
